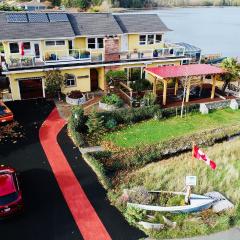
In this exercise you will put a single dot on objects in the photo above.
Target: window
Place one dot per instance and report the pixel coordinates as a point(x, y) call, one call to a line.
point(70, 80)
point(14, 48)
point(95, 43)
point(55, 43)
point(60, 43)
point(27, 46)
point(142, 39)
point(149, 39)
point(158, 38)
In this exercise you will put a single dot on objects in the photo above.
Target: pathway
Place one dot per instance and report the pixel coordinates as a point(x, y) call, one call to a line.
point(83, 213)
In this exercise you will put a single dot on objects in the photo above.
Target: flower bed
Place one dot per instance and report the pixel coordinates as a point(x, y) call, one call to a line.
point(75, 98)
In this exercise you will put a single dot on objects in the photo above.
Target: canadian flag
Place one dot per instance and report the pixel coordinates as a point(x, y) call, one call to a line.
point(199, 154)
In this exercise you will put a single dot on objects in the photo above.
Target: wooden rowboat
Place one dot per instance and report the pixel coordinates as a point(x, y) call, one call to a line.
point(197, 204)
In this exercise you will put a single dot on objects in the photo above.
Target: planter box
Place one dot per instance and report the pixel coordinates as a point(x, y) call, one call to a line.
point(75, 101)
point(107, 107)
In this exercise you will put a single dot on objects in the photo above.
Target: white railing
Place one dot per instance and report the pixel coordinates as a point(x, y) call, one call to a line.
point(21, 62)
point(169, 50)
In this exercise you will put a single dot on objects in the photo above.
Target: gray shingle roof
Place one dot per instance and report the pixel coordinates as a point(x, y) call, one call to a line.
point(137, 23)
point(80, 24)
point(33, 30)
point(94, 24)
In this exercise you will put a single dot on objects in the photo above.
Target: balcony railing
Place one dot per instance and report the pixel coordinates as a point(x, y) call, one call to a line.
point(168, 51)
point(54, 57)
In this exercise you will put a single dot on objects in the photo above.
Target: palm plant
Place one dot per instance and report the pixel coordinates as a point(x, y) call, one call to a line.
point(233, 71)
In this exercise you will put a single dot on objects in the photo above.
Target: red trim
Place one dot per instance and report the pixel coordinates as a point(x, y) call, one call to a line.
point(82, 211)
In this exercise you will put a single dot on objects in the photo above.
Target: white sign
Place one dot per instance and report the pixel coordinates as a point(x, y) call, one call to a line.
point(191, 180)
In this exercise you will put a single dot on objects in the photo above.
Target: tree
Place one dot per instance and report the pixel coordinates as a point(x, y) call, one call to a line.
point(233, 70)
point(95, 125)
point(53, 82)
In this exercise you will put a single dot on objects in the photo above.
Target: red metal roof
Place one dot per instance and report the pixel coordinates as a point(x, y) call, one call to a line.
point(184, 70)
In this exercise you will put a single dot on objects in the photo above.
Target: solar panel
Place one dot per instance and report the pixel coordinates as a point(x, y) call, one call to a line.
point(38, 17)
point(17, 18)
point(58, 17)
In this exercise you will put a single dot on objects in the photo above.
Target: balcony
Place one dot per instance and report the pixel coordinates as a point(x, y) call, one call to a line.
point(54, 58)
point(169, 50)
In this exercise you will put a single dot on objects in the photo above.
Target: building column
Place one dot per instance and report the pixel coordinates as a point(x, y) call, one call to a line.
point(213, 86)
point(176, 87)
point(155, 86)
point(188, 90)
point(164, 92)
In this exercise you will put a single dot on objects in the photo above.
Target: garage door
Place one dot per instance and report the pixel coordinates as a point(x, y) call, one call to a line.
point(31, 88)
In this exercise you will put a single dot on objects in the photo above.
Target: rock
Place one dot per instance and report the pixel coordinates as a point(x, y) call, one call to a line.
point(203, 108)
point(152, 226)
point(222, 205)
point(169, 223)
point(234, 104)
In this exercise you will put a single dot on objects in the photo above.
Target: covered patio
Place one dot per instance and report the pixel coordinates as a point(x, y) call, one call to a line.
point(188, 78)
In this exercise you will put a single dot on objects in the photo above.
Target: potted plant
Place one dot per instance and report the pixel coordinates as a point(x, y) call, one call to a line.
point(110, 102)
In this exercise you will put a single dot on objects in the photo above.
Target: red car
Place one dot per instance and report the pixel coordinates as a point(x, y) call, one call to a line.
point(10, 194)
point(5, 113)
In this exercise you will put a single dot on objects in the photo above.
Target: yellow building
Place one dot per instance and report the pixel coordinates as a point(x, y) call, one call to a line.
point(83, 46)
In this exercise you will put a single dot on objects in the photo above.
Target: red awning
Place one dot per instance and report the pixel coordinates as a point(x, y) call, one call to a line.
point(184, 70)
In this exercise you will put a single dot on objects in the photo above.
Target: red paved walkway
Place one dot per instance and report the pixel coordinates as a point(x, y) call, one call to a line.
point(83, 213)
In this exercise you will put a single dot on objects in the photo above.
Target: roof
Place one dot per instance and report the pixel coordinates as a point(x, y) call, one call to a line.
point(6, 184)
point(137, 23)
point(33, 30)
point(94, 24)
point(77, 24)
point(184, 70)
point(189, 47)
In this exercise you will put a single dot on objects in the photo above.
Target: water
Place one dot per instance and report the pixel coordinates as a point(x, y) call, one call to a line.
point(214, 29)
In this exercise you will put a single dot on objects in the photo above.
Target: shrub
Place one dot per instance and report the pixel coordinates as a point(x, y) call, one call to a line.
point(78, 118)
point(141, 85)
point(76, 136)
point(53, 82)
point(134, 215)
point(112, 99)
point(149, 99)
point(95, 124)
point(131, 115)
point(111, 124)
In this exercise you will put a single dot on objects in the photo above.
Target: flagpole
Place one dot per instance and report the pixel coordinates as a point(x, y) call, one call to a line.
point(193, 159)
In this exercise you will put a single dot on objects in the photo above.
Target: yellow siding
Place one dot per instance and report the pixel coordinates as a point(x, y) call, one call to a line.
point(82, 84)
point(80, 43)
point(60, 51)
point(101, 78)
point(133, 43)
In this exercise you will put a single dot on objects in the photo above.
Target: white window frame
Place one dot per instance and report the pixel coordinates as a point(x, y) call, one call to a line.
point(146, 39)
point(55, 43)
point(95, 43)
point(71, 79)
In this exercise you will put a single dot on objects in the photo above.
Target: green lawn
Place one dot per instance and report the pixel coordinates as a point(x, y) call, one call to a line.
point(153, 131)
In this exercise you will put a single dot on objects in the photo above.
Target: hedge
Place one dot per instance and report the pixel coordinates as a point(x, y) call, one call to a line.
point(99, 169)
point(77, 137)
